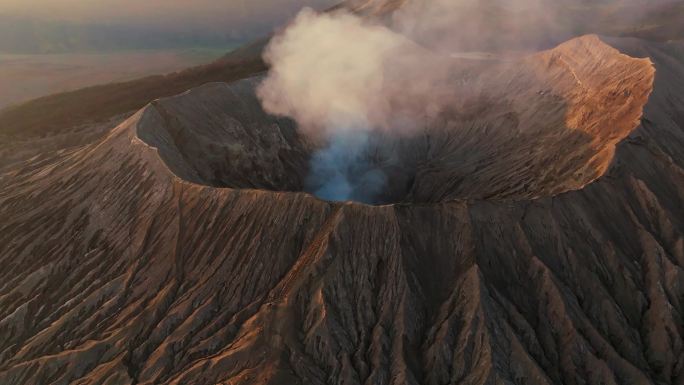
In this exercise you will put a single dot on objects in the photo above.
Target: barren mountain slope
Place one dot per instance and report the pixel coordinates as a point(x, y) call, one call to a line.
point(117, 271)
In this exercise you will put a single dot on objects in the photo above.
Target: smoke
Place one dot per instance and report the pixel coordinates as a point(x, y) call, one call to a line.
point(341, 171)
point(523, 25)
point(477, 25)
point(328, 72)
point(346, 80)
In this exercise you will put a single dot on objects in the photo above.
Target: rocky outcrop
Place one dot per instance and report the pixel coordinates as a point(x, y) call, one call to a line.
point(124, 263)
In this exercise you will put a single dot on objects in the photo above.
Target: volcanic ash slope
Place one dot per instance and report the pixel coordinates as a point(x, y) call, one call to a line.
point(170, 251)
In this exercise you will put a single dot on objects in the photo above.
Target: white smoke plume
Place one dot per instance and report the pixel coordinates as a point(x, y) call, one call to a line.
point(344, 79)
point(327, 72)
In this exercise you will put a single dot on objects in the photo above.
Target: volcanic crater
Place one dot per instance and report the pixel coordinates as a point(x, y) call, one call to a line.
point(535, 127)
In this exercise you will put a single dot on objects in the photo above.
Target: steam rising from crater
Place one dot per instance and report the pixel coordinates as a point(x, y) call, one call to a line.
point(346, 81)
point(349, 81)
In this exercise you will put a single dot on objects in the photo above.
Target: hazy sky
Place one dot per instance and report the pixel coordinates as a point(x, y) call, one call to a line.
point(172, 14)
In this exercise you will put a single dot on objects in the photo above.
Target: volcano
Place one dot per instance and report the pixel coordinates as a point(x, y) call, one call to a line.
point(533, 233)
